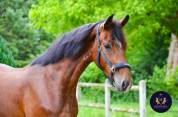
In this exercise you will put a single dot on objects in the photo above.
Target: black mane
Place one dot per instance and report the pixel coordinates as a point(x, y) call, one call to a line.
point(72, 43)
point(68, 46)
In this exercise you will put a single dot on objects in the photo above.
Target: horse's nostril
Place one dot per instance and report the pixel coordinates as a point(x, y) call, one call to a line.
point(125, 84)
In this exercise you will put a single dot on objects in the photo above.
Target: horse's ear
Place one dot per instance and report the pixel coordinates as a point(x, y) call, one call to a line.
point(108, 22)
point(124, 21)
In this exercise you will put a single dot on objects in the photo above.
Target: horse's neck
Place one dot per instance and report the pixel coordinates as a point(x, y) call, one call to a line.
point(68, 72)
point(71, 69)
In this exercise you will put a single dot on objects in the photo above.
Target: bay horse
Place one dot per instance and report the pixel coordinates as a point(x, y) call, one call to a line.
point(47, 87)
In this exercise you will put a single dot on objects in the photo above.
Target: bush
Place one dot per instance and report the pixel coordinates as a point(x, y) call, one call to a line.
point(158, 82)
point(92, 74)
point(6, 56)
point(172, 83)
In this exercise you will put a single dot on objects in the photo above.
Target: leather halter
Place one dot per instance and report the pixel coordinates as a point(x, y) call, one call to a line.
point(113, 67)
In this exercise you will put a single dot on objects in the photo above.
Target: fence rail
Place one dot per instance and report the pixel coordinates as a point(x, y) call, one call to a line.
point(107, 87)
point(99, 106)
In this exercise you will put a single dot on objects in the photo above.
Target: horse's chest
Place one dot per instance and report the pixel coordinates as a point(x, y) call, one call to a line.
point(43, 97)
point(50, 100)
point(65, 106)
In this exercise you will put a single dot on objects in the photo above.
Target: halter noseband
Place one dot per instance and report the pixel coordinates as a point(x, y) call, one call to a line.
point(113, 67)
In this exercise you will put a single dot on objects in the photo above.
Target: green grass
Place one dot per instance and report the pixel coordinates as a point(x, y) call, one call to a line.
point(93, 112)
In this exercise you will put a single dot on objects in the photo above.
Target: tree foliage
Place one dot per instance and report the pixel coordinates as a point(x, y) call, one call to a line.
point(6, 56)
point(148, 30)
point(22, 39)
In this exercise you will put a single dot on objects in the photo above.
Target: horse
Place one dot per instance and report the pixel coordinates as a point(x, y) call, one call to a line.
point(47, 86)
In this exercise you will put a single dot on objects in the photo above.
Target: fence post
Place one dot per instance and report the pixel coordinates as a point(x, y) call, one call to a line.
point(78, 93)
point(142, 98)
point(107, 98)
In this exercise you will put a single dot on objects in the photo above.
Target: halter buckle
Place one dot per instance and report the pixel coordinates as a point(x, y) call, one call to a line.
point(113, 69)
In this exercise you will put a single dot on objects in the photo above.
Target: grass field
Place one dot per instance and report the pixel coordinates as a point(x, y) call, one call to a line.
point(93, 112)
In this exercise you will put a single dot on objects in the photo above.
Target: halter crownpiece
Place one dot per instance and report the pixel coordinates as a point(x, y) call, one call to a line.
point(113, 67)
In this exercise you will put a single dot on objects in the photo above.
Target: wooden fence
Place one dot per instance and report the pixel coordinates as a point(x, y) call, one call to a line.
point(107, 87)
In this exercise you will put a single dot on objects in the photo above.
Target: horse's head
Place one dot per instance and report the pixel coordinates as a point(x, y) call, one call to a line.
point(109, 52)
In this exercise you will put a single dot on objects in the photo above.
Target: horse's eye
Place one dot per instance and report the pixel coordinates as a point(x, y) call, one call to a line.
point(107, 46)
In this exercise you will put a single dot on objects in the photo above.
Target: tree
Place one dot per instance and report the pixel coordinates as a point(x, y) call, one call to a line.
point(21, 38)
point(172, 62)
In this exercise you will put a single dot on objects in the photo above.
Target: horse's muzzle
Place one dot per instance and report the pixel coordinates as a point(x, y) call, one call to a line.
point(122, 83)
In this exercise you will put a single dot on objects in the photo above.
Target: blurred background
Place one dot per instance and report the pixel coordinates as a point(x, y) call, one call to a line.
point(28, 27)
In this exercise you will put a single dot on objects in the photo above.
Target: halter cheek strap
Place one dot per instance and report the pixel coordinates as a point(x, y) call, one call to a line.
point(113, 67)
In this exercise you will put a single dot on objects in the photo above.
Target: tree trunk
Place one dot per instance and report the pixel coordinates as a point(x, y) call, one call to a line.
point(172, 62)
